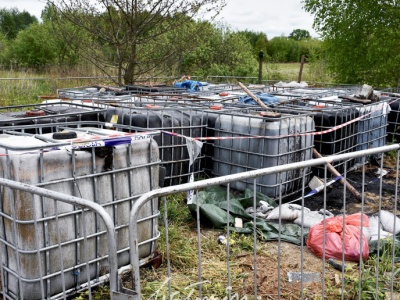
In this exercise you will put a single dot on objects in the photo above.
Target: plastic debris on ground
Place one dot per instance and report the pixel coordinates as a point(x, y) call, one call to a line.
point(190, 85)
point(293, 223)
point(213, 212)
point(264, 97)
point(340, 237)
point(292, 84)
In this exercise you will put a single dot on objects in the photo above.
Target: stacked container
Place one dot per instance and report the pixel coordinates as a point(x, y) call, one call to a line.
point(373, 125)
point(393, 129)
point(176, 123)
point(46, 113)
point(282, 145)
point(329, 118)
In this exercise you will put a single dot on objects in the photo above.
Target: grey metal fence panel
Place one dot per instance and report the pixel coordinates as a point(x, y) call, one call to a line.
point(18, 263)
point(384, 284)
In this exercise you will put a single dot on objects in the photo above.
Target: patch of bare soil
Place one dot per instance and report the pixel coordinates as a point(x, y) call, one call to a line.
point(277, 261)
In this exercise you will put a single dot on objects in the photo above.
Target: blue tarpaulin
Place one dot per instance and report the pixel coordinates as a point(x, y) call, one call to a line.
point(264, 97)
point(190, 85)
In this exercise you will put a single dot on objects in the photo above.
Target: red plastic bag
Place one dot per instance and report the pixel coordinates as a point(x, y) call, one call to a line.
point(354, 240)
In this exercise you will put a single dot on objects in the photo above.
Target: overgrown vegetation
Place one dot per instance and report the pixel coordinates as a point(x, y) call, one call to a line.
point(360, 39)
point(164, 42)
point(26, 87)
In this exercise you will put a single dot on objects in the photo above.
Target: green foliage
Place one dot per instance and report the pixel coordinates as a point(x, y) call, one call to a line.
point(299, 34)
point(38, 46)
point(284, 49)
point(258, 41)
point(130, 37)
point(4, 50)
point(34, 47)
point(223, 52)
point(360, 39)
point(13, 21)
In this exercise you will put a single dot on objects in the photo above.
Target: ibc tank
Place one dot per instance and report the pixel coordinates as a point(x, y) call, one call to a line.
point(45, 113)
point(393, 129)
point(328, 117)
point(112, 176)
point(241, 155)
point(173, 151)
point(372, 127)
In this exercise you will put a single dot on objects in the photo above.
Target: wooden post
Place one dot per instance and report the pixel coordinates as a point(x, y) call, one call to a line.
point(332, 169)
point(260, 56)
point(301, 68)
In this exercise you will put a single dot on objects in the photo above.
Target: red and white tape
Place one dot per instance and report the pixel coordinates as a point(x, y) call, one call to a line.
point(212, 138)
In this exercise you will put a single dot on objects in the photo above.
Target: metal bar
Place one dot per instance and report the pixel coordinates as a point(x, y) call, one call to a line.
point(112, 248)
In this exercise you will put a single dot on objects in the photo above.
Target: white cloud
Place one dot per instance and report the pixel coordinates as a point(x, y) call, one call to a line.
point(34, 7)
point(271, 17)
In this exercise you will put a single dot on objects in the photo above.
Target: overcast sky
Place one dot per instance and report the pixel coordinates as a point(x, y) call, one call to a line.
point(273, 17)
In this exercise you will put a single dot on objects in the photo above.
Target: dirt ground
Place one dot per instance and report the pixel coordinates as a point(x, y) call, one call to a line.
point(336, 203)
point(290, 261)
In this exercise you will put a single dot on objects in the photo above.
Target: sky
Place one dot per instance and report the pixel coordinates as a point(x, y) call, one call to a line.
point(272, 17)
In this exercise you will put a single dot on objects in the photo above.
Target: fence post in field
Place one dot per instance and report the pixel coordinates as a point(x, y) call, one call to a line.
point(261, 56)
point(301, 68)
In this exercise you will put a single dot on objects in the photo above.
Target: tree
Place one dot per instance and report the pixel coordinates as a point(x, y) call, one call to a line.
point(13, 21)
point(299, 34)
point(283, 49)
point(222, 52)
point(258, 41)
point(130, 36)
point(361, 39)
point(38, 46)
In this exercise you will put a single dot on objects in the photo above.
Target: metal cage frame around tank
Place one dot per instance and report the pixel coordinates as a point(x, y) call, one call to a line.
point(278, 140)
point(393, 130)
point(372, 125)
point(176, 123)
point(54, 112)
point(329, 118)
point(87, 265)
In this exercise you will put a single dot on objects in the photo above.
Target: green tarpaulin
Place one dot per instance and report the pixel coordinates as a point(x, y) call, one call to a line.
point(213, 207)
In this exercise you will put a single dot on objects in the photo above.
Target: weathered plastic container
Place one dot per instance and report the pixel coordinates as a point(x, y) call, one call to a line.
point(328, 117)
point(372, 128)
point(170, 120)
point(210, 112)
point(393, 129)
point(45, 113)
point(240, 155)
point(112, 176)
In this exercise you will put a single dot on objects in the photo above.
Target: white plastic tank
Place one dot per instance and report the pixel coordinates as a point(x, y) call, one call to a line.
point(373, 126)
point(113, 176)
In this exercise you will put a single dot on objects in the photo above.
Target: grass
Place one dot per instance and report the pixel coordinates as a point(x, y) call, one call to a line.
point(182, 235)
point(18, 88)
point(312, 72)
point(25, 87)
point(376, 275)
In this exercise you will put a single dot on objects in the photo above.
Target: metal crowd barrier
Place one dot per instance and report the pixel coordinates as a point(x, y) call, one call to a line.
point(14, 284)
point(386, 283)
